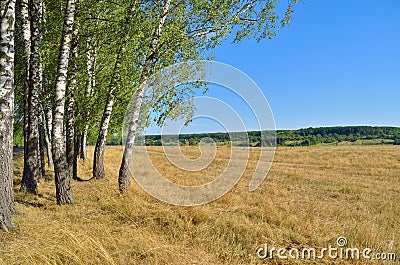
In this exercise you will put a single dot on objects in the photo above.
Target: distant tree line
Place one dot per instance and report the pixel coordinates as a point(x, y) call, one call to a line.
point(312, 136)
point(252, 138)
point(300, 137)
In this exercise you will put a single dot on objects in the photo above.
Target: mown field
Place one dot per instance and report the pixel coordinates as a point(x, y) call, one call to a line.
point(311, 196)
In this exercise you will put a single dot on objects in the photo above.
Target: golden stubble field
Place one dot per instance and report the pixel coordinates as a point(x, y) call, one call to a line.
point(311, 196)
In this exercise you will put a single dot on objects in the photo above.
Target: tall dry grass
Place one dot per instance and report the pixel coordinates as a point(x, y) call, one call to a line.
point(311, 196)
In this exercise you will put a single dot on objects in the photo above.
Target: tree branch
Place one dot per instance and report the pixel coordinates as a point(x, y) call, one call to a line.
point(206, 31)
point(104, 19)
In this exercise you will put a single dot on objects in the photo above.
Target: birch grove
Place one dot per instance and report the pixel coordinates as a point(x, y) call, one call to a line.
point(76, 73)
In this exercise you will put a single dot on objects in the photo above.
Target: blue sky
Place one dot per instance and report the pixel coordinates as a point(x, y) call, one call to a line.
point(337, 63)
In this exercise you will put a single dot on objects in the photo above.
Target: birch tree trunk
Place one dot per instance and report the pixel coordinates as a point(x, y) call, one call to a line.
point(7, 22)
point(70, 131)
point(70, 113)
point(77, 140)
point(40, 103)
point(124, 180)
point(62, 178)
point(26, 39)
point(82, 143)
point(91, 55)
point(124, 177)
point(41, 140)
point(78, 143)
point(48, 119)
point(33, 170)
point(98, 162)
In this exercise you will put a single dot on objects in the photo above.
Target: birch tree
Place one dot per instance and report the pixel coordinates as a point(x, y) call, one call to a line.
point(62, 177)
point(205, 25)
point(7, 22)
point(124, 172)
point(70, 110)
point(32, 158)
point(91, 53)
point(48, 118)
point(26, 43)
point(98, 162)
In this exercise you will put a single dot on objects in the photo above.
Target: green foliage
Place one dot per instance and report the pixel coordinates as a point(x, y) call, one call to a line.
point(397, 140)
point(127, 28)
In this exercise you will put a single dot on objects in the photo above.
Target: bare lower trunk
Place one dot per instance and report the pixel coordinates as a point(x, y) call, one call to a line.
point(62, 178)
point(41, 143)
point(82, 148)
point(7, 22)
point(70, 135)
point(98, 162)
point(78, 143)
point(124, 176)
point(75, 160)
point(48, 118)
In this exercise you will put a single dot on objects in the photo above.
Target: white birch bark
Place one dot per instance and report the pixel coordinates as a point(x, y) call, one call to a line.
point(41, 140)
point(62, 178)
point(33, 163)
point(7, 23)
point(98, 161)
point(70, 110)
point(91, 55)
point(26, 38)
point(48, 118)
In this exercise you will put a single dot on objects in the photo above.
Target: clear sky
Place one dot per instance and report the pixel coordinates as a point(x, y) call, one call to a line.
point(337, 63)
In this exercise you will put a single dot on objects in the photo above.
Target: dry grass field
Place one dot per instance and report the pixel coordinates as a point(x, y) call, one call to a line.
point(311, 196)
